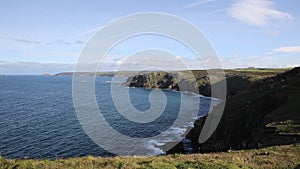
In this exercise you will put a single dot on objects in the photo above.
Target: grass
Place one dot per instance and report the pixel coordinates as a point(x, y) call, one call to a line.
point(286, 118)
point(263, 70)
point(288, 127)
point(272, 157)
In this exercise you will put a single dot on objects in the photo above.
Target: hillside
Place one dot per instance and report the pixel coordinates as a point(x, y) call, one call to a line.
point(262, 107)
point(271, 157)
point(264, 114)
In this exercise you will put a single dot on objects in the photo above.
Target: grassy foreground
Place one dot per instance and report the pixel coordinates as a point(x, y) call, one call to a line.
point(272, 157)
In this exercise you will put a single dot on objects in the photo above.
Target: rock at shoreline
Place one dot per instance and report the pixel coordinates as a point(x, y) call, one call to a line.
point(174, 81)
point(152, 80)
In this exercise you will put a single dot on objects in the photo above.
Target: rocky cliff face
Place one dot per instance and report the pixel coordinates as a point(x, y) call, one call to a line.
point(174, 81)
point(183, 81)
point(266, 113)
point(153, 80)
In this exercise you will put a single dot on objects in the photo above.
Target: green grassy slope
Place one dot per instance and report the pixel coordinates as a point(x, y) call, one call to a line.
point(272, 157)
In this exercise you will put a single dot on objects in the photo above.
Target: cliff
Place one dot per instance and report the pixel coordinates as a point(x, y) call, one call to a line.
point(262, 107)
point(265, 113)
point(237, 80)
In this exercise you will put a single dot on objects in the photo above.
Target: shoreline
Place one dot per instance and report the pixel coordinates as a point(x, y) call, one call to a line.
point(186, 145)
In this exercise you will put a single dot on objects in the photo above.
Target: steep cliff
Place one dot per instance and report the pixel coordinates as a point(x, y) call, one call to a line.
point(262, 107)
point(188, 80)
point(266, 113)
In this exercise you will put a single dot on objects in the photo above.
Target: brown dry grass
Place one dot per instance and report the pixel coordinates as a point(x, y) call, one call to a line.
point(272, 157)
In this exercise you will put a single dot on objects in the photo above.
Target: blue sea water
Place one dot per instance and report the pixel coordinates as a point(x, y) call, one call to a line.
point(38, 120)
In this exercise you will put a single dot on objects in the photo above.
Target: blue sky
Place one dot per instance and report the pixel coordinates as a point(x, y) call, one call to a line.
point(47, 36)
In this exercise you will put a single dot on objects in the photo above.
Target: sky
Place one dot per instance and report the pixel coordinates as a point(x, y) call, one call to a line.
point(38, 37)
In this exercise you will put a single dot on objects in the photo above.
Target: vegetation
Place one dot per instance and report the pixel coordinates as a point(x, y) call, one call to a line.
point(262, 107)
point(264, 113)
point(272, 157)
point(237, 79)
point(275, 70)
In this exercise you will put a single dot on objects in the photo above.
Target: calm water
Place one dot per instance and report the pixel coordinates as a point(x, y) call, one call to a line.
point(37, 118)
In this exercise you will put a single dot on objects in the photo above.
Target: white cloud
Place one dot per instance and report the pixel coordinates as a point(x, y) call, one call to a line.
point(257, 12)
point(152, 58)
point(259, 61)
point(87, 31)
point(119, 62)
point(199, 2)
point(288, 49)
point(272, 32)
point(235, 56)
point(177, 57)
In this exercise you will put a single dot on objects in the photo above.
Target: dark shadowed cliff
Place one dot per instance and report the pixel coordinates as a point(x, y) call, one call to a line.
point(266, 113)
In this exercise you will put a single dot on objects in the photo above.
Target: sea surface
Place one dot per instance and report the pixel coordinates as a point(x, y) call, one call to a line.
point(38, 119)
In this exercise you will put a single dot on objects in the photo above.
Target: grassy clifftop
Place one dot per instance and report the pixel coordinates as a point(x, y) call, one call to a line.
point(272, 157)
point(237, 79)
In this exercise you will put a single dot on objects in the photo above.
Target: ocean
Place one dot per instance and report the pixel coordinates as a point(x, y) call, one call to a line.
point(38, 119)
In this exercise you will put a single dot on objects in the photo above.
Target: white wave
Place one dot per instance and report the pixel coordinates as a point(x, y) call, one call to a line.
point(191, 124)
point(171, 135)
point(177, 131)
point(153, 149)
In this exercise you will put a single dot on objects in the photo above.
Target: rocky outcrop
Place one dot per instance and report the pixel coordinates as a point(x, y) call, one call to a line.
point(200, 82)
point(174, 81)
point(153, 80)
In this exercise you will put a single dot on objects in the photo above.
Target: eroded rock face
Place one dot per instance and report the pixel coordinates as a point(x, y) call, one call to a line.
point(172, 81)
point(153, 80)
point(200, 83)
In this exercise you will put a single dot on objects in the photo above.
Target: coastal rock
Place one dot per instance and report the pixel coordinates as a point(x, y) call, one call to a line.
point(152, 80)
point(174, 81)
